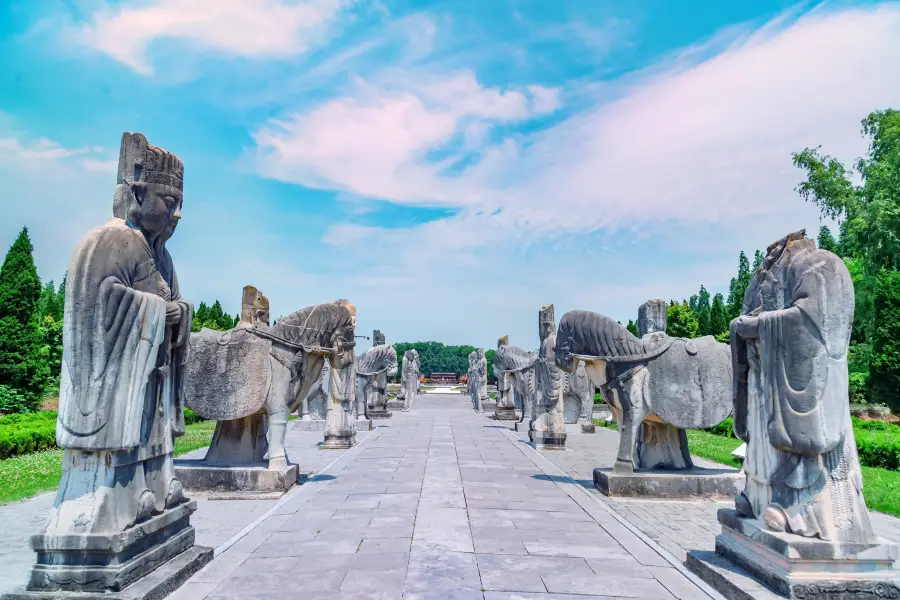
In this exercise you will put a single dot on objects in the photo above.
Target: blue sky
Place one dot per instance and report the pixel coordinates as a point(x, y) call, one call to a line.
point(448, 166)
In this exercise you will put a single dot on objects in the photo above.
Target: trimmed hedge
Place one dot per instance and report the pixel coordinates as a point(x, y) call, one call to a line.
point(24, 433)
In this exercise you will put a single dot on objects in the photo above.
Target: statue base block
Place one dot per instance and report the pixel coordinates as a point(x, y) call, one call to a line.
point(198, 475)
point(339, 441)
point(548, 440)
point(363, 424)
point(82, 565)
point(395, 404)
point(506, 414)
point(379, 413)
point(156, 585)
point(310, 425)
point(791, 566)
point(686, 483)
point(522, 425)
point(588, 428)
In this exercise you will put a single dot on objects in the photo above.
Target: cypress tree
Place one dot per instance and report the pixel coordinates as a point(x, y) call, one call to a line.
point(632, 327)
point(826, 240)
point(703, 312)
point(758, 259)
point(738, 287)
point(21, 366)
point(718, 318)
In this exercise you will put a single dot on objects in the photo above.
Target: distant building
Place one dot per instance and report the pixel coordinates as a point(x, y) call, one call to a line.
point(443, 378)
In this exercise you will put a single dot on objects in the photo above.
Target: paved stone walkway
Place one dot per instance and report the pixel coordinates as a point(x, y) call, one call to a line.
point(215, 520)
point(676, 525)
point(440, 503)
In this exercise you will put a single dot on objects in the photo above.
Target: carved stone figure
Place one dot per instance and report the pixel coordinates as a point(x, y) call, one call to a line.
point(514, 369)
point(505, 410)
point(377, 338)
point(373, 367)
point(473, 382)
point(409, 382)
point(251, 377)
point(315, 403)
point(548, 427)
point(801, 525)
point(790, 364)
point(121, 401)
point(659, 444)
point(683, 383)
point(578, 396)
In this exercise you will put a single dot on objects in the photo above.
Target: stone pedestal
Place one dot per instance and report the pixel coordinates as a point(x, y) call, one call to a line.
point(660, 445)
point(686, 483)
point(506, 414)
point(339, 441)
point(792, 566)
point(379, 413)
point(548, 440)
point(394, 404)
point(198, 475)
point(588, 428)
point(148, 560)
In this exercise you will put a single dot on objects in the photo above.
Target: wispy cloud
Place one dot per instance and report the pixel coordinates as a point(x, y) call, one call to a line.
point(245, 28)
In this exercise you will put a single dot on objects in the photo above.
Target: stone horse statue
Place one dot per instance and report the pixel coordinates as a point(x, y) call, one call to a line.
point(373, 367)
point(252, 377)
point(516, 366)
point(680, 382)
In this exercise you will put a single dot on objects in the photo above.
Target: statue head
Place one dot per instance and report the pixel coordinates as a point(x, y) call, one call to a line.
point(503, 341)
point(346, 304)
point(546, 322)
point(776, 249)
point(149, 187)
point(479, 353)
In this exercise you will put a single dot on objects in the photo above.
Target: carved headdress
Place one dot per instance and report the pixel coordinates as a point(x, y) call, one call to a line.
point(141, 162)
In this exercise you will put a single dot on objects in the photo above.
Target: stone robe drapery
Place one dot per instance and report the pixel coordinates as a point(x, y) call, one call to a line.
point(121, 386)
point(791, 406)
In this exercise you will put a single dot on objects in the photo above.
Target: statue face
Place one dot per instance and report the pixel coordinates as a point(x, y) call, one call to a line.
point(160, 209)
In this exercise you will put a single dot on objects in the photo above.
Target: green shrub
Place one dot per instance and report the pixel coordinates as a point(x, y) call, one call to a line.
point(12, 401)
point(725, 428)
point(858, 384)
point(190, 417)
point(27, 433)
point(878, 448)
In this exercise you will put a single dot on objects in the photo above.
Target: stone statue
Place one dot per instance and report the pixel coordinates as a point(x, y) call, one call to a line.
point(377, 338)
point(659, 443)
point(373, 367)
point(409, 383)
point(251, 377)
point(473, 382)
point(683, 383)
point(505, 410)
point(121, 401)
point(482, 376)
point(790, 396)
point(548, 427)
point(514, 369)
point(578, 396)
point(315, 403)
point(800, 526)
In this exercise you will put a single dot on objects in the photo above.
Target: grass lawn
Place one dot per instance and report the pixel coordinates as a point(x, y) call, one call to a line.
point(25, 476)
point(881, 487)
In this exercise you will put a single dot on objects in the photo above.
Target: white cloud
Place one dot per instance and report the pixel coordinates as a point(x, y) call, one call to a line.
point(693, 159)
point(248, 28)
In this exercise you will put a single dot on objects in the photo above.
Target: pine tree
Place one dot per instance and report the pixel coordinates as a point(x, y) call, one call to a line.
point(758, 258)
point(21, 366)
point(632, 327)
point(718, 318)
point(826, 240)
point(738, 287)
point(703, 312)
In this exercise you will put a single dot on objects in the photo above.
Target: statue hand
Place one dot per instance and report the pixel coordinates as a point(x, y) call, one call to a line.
point(173, 313)
point(747, 326)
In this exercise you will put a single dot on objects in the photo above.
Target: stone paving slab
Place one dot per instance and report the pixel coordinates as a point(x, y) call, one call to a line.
point(215, 520)
point(676, 525)
point(440, 504)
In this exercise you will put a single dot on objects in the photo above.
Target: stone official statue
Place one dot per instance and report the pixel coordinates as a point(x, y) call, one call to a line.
point(124, 349)
point(548, 426)
point(790, 366)
point(120, 513)
point(409, 384)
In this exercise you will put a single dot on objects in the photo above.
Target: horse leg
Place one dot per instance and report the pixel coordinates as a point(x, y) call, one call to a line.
point(277, 411)
point(634, 411)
